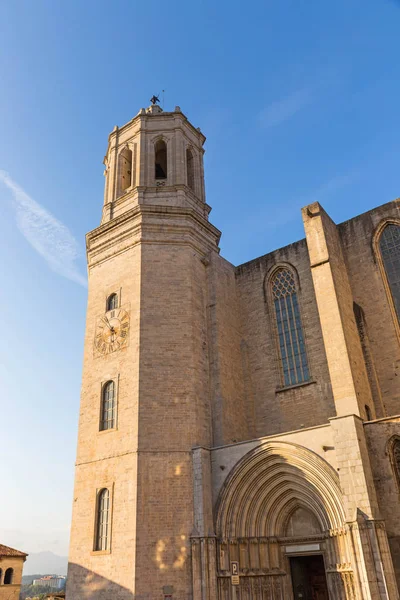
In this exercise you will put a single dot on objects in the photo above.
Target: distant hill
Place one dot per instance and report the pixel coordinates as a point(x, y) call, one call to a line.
point(28, 579)
point(45, 563)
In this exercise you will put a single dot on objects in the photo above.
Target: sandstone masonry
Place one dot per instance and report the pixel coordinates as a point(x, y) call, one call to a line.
point(228, 413)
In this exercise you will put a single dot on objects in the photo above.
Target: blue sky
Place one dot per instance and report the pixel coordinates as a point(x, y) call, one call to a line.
point(299, 101)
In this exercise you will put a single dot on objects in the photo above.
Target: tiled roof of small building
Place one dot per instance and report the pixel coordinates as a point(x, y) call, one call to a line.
point(7, 551)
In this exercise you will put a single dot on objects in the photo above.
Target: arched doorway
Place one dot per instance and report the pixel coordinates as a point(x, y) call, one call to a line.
point(280, 517)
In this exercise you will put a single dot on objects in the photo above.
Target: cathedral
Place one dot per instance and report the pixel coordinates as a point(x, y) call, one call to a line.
point(239, 432)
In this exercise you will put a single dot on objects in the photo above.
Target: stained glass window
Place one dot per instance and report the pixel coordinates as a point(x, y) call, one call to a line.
point(108, 406)
point(390, 250)
point(103, 514)
point(290, 332)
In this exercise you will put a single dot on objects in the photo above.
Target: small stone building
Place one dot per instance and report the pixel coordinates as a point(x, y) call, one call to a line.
point(235, 420)
point(11, 565)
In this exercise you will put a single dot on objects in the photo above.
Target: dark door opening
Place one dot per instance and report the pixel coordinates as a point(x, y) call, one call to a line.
point(308, 577)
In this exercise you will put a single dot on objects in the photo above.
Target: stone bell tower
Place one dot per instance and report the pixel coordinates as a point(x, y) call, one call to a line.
point(145, 393)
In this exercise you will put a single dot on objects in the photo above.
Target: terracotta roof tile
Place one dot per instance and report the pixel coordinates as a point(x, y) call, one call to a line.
point(7, 551)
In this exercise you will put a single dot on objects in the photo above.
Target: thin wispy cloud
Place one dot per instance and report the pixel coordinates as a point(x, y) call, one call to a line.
point(46, 234)
point(323, 194)
point(282, 213)
point(285, 108)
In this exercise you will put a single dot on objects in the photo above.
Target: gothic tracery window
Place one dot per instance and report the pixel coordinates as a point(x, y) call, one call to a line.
point(103, 520)
point(108, 406)
point(290, 332)
point(389, 245)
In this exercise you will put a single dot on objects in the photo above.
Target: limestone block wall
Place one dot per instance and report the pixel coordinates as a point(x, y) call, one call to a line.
point(347, 368)
point(107, 459)
point(232, 401)
point(379, 435)
point(174, 400)
point(11, 591)
point(367, 284)
point(278, 409)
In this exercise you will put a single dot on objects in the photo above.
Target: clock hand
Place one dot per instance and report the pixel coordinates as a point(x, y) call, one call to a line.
point(105, 321)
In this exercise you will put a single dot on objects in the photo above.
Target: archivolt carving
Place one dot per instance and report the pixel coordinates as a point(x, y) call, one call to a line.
point(272, 481)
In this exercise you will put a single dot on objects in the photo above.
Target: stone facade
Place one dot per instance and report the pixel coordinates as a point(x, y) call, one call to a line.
point(253, 414)
point(11, 565)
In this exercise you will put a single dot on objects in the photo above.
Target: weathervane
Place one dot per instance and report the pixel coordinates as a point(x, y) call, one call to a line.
point(154, 100)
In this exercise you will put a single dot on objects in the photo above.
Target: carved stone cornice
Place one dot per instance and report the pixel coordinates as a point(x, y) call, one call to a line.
point(146, 224)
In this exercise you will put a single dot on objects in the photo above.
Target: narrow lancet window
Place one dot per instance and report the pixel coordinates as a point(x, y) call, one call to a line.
point(125, 170)
point(190, 169)
point(112, 302)
point(103, 518)
point(394, 454)
point(290, 332)
point(389, 245)
point(161, 160)
point(108, 406)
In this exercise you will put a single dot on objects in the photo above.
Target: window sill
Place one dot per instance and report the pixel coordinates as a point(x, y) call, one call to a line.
point(100, 552)
point(294, 386)
point(124, 192)
point(108, 430)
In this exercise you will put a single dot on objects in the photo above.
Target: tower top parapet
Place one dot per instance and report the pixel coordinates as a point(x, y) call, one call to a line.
point(156, 158)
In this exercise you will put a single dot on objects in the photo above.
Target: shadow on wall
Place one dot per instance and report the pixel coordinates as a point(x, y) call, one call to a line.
point(83, 584)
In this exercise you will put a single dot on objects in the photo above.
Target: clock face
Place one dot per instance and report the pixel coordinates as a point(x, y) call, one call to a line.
point(112, 331)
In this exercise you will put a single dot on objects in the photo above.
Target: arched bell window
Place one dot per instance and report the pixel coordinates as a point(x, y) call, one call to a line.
point(8, 576)
point(389, 247)
point(112, 302)
point(161, 169)
point(102, 541)
point(124, 170)
point(190, 168)
point(292, 348)
point(108, 411)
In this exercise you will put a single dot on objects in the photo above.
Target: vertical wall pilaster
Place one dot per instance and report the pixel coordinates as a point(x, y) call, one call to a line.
point(371, 557)
point(346, 364)
point(202, 493)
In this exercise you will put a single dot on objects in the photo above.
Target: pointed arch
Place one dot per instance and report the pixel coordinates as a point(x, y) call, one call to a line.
point(125, 167)
point(301, 522)
point(282, 285)
point(272, 481)
point(386, 246)
point(160, 159)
